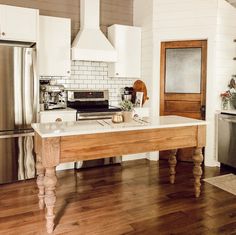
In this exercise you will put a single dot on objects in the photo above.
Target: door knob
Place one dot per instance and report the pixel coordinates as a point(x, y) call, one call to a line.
point(203, 111)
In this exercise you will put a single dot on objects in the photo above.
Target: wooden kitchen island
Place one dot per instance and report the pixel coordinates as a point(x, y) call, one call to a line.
point(57, 143)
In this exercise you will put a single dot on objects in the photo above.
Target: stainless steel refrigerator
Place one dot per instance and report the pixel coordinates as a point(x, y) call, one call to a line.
point(18, 108)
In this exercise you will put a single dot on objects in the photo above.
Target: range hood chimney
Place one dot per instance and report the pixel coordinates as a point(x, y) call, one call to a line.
point(90, 43)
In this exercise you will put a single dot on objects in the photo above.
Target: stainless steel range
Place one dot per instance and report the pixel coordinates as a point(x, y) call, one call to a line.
point(92, 105)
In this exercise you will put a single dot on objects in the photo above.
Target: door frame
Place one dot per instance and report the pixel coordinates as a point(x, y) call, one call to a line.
point(183, 44)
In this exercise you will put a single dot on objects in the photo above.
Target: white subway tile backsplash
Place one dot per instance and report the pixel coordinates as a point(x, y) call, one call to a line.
point(93, 75)
point(76, 72)
point(103, 73)
point(87, 63)
point(83, 77)
point(99, 68)
point(102, 64)
point(95, 72)
point(83, 68)
point(83, 86)
point(87, 72)
point(99, 77)
point(95, 63)
point(89, 68)
point(76, 62)
point(74, 67)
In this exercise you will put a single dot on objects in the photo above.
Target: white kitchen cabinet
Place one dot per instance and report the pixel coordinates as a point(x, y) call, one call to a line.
point(18, 23)
point(54, 46)
point(127, 42)
point(60, 115)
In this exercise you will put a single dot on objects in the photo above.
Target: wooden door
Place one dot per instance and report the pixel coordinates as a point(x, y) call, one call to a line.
point(183, 82)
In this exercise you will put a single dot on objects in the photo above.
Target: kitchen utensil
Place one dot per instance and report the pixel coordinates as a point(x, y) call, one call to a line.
point(140, 86)
point(127, 97)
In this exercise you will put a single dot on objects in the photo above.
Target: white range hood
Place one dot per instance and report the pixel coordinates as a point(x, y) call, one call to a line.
point(90, 43)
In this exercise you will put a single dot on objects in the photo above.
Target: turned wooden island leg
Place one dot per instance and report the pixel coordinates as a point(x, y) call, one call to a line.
point(172, 164)
point(40, 178)
point(197, 170)
point(50, 181)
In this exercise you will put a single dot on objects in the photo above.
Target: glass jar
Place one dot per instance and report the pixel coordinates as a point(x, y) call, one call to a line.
point(225, 104)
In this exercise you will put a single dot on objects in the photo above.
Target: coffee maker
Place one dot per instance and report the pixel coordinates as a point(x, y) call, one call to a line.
point(52, 97)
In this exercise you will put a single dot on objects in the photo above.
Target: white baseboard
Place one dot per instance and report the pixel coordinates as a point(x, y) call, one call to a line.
point(153, 156)
point(65, 166)
point(132, 157)
point(212, 163)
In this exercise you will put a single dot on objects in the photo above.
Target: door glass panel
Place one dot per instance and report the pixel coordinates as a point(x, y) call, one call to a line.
point(183, 70)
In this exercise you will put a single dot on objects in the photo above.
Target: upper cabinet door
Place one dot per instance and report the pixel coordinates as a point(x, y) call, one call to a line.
point(54, 46)
point(127, 41)
point(18, 24)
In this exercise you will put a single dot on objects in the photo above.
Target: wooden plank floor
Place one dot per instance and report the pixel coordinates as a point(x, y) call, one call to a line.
point(135, 198)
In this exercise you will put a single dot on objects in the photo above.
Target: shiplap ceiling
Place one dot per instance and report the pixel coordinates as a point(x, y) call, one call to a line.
point(233, 2)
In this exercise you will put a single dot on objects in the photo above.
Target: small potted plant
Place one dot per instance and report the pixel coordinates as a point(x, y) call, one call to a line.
point(127, 108)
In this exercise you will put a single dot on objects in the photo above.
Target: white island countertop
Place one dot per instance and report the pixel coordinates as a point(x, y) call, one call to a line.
point(59, 129)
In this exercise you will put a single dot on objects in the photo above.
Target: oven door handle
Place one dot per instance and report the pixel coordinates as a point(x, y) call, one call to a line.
point(84, 118)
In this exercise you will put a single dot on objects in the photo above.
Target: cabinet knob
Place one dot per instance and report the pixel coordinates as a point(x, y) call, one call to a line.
point(68, 72)
point(117, 73)
point(3, 34)
point(58, 120)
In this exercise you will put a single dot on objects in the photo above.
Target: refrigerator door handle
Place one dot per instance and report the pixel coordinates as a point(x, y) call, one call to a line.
point(36, 86)
point(15, 135)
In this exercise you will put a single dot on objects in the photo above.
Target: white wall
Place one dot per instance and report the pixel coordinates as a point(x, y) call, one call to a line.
point(225, 48)
point(211, 20)
point(143, 17)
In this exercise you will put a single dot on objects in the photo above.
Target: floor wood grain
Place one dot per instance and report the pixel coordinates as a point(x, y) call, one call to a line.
point(135, 198)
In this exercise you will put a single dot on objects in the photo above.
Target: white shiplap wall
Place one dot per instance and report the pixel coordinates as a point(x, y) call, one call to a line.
point(225, 48)
point(146, 23)
point(143, 18)
point(211, 20)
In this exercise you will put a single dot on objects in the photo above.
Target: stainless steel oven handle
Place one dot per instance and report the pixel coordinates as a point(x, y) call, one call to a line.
point(81, 118)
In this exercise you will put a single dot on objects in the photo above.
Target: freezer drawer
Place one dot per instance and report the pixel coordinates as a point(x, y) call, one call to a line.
point(227, 139)
point(17, 160)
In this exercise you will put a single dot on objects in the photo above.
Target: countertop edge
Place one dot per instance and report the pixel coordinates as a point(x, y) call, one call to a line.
point(71, 133)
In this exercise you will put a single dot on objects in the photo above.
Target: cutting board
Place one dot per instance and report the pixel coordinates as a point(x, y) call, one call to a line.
point(140, 86)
